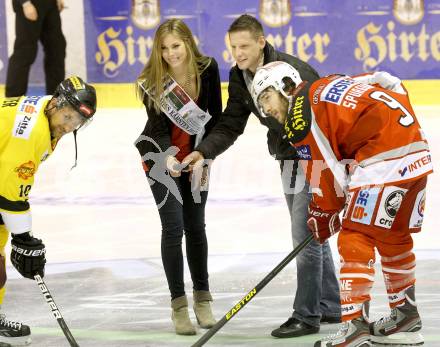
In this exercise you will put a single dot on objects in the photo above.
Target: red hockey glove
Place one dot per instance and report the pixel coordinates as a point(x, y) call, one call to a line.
point(323, 224)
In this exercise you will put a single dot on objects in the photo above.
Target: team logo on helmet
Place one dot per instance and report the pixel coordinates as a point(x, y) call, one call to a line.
point(408, 12)
point(393, 202)
point(25, 170)
point(76, 83)
point(275, 13)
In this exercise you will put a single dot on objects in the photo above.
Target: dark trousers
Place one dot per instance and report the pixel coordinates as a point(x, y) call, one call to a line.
point(47, 29)
point(317, 293)
point(178, 219)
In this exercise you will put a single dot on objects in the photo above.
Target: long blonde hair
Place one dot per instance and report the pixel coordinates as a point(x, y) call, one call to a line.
point(156, 68)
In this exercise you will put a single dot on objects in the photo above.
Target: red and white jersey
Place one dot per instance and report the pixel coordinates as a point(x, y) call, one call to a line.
point(349, 134)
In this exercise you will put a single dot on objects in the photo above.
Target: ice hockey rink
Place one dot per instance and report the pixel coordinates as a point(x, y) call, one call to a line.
point(102, 233)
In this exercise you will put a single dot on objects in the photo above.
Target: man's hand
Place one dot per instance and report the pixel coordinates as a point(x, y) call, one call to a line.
point(28, 255)
point(191, 159)
point(173, 166)
point(323, 224)
point(196, 164)
point(29, 10)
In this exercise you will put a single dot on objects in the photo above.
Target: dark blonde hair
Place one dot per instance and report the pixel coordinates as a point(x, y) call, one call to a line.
point(156, 68)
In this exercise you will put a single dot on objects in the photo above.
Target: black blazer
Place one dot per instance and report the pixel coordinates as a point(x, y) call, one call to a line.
point(158, 125)
point(240, 105)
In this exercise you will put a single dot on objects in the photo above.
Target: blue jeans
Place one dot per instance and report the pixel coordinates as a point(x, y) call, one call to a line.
point(178, 219)
point(317, 291)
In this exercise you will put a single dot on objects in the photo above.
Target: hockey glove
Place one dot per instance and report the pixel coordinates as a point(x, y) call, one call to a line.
point(28, 255)
point(323, 224)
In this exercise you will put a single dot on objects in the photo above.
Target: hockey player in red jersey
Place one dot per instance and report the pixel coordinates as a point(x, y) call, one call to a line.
point(365, 155)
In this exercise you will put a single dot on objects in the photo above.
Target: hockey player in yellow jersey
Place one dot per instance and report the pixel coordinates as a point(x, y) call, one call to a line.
point(30, 127)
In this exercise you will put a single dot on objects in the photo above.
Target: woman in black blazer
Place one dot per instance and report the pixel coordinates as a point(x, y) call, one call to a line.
point(162, 145)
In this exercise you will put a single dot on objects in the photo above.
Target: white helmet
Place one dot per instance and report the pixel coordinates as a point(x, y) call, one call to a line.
point(279, 75)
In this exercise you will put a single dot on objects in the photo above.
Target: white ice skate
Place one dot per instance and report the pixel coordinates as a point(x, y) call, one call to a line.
point(14, 334)
point(402, 327)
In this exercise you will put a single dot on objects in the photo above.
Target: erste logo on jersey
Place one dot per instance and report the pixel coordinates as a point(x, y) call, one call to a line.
point(389, 205)
point(364, 205)
point(25, 170)
point(26, 117)
point(344, 91)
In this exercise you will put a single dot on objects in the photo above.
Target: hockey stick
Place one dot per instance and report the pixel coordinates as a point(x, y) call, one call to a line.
point(249, 296)
point(55, 311)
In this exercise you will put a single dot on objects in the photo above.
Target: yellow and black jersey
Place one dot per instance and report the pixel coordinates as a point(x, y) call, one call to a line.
point(24, 143)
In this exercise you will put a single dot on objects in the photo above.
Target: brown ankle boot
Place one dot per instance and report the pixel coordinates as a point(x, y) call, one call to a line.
point(202, 309)
point(180, 316)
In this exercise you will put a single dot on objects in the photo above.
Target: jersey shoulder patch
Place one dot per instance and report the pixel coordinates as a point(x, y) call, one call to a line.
point(341, 90)
point(27, 115)
point(299, 117)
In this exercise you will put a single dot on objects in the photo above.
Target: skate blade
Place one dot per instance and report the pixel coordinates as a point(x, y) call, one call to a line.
point(402, 339)
point(16, 341)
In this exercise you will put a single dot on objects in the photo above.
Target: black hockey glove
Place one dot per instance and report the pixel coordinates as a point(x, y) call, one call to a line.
point(28, 255)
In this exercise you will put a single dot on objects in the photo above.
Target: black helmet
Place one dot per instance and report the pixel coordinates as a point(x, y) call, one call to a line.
point(80, 95)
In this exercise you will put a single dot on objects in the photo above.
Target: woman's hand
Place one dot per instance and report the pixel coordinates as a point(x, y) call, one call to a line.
point(30, 12)
point(173, 166)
